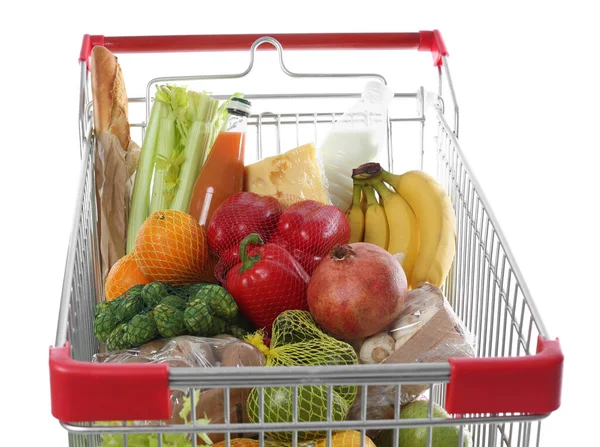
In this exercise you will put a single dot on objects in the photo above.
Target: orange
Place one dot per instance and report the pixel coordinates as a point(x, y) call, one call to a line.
point(122, 276)
point(171, 247)
point(347, 438)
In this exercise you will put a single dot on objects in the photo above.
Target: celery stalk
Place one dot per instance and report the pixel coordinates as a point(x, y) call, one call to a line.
point(171, 144)
point(140, 198)
point(201, 113)
point(181, 131)
point(164, 152)
point(198, 137)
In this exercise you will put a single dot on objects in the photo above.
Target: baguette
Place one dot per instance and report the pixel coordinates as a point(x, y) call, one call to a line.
point(111, 112)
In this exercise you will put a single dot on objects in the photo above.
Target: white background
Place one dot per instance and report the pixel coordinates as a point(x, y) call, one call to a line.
point(526, 77)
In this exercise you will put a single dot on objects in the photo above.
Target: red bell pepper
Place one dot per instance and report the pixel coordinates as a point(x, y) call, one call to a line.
point(240, 215)
point(309, 230)
point(267, 282)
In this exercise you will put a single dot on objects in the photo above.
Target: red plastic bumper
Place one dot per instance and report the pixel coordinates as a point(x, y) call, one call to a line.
point(84, 391)
point(527, 384)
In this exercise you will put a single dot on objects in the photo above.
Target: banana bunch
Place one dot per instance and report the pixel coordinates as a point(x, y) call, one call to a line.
point(413, 218)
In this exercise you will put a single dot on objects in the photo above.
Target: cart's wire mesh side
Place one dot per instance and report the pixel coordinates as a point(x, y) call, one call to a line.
point(483, 287)
point(83, 288)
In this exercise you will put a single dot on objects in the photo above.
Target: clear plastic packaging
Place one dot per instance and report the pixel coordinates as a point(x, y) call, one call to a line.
point(354, 140)
point(427, 331)
point(189, 351)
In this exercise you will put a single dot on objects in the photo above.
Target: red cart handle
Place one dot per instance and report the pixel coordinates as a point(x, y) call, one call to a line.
point(527, 384)
point(422, 41)
point(85, 391)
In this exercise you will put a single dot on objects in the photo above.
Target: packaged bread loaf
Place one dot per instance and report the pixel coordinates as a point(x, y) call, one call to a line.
point(115, 155)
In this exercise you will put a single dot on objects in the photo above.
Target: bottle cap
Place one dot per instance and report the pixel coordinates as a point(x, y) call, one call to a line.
point(378, 92)
point(239, 106)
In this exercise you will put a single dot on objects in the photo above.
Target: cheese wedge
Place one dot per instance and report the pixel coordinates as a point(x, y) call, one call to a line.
point(292, 176)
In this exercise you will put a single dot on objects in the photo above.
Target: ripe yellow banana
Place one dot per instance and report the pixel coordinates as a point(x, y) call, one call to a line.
point(437, 224)
point(376, 224)
point(363, 202)
point(403, 226)
point(356, 217)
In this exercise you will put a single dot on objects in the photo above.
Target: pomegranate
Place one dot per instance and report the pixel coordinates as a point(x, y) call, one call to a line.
point(357, 291)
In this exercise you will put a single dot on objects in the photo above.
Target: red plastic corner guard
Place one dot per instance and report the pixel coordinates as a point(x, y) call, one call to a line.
point(88, 43)
point(527, 384)
point(85, 391)
point(432, 41)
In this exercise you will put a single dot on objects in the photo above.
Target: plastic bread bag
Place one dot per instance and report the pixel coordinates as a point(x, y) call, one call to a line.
point(355, 139)
point(427, 331)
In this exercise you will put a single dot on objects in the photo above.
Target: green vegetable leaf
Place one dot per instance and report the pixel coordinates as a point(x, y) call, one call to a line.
point(151, 439)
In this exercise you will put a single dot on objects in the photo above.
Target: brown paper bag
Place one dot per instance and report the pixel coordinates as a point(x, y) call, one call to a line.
point(114, 174)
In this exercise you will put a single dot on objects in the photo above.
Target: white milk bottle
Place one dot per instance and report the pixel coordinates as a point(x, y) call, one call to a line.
point(354, 140)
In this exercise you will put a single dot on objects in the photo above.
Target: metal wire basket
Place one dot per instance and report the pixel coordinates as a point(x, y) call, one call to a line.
point(500, 397)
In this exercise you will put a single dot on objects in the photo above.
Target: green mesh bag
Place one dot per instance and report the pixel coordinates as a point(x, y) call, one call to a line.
point(126, 306)
point(154, 292)
point(118, 338)
point(297, 340)
point(101, 308)
point(188, 291)
point(160, 310)
point(174, 301)
point(169, 320)
point(134, 291)
point(219, 299)
point(198, 317)
point(104, 324)
point(141, 329)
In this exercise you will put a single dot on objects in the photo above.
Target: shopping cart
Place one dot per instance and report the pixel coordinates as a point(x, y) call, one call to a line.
point(500, 397)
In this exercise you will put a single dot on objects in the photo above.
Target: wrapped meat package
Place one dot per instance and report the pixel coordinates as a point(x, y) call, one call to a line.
point(426, 331)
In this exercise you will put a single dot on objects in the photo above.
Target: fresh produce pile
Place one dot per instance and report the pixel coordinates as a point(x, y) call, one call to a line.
point(158, 310)
point(279, 266)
